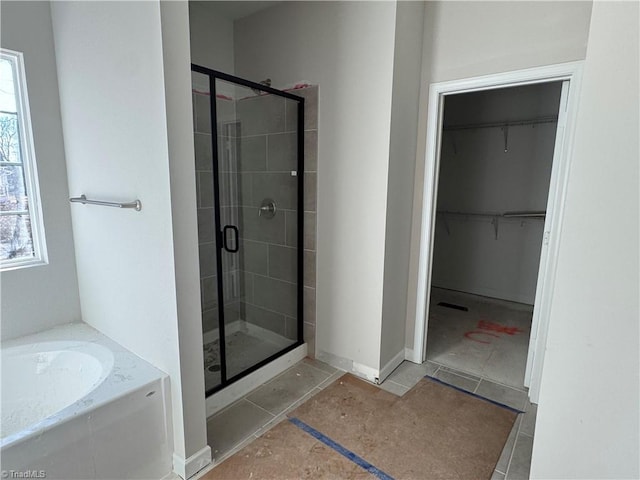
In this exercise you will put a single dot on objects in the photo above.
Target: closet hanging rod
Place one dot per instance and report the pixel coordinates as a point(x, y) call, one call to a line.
point(533, 121)
point(136, 204)
point(525, 214)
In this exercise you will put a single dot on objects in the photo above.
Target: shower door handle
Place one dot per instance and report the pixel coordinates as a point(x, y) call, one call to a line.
point(225, 245)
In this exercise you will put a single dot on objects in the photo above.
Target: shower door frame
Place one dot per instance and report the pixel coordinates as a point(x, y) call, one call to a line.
point(214, 75)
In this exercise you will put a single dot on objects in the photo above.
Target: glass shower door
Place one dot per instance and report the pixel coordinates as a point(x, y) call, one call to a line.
point(256, 174)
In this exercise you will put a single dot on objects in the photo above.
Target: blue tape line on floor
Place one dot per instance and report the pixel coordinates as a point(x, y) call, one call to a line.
point(340, 449)
point(514, 410)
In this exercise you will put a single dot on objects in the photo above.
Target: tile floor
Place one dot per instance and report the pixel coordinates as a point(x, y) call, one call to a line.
point(246, 419)
point(515, 460)
point(239, 424)
point(496, 348)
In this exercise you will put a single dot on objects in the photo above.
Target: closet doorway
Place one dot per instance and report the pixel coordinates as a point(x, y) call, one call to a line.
point(496, 171)
point(495, 167)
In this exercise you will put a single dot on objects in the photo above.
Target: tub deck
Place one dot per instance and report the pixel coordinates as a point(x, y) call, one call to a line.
point(121, 428)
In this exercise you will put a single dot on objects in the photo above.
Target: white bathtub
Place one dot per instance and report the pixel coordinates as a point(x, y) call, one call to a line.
point(77, 405)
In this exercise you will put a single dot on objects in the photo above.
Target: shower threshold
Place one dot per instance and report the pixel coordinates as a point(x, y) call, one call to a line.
point(246, 345)
point(241, 387)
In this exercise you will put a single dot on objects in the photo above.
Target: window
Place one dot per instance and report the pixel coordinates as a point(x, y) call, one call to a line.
point(21, 227)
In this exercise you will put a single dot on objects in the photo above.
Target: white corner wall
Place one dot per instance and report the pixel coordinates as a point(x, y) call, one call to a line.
point(115, 120)
point(179, 114)
point(588, 416)
point(468, 39)
point(402, 154)
point(347, 49)
point(38, 298)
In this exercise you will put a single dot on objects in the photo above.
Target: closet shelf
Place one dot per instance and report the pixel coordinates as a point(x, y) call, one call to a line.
point(493, 215)
point(514, 123)
point(515, 214)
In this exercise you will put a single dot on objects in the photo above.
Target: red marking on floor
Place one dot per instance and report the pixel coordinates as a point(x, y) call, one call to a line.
point(476, 332)
point(487, 328)
point(496, 327)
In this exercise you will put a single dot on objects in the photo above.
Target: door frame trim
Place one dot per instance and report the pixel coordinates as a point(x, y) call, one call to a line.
point(570, 71)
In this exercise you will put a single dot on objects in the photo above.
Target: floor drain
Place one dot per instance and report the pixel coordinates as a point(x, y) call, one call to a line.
point(454, 306)
point(214, 368)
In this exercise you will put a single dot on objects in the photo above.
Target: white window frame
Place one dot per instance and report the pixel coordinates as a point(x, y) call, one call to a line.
point(29, 167)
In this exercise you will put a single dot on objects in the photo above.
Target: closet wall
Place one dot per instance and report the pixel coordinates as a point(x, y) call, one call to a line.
point(489, 171)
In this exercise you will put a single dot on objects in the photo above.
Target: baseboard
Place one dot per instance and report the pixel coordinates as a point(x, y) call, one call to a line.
point(412, 356)
point(366, 372)
point(359, 370)
point(391, 366)
point(239, 389)
point(187, 468)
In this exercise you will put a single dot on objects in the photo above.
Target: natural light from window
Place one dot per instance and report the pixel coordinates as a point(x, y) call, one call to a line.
point(21, 232)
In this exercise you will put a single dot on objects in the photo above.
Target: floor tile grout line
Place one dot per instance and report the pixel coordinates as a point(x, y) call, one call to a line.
point(481, 397)
point(389, 379)
point(226, 408)
point(289, 406)
point(465, 374)
point(318, 369)
point(338, 374)
point(261, 408)
point(233, 450)
point(513, 449)
point(455, 371)
point(477, 386)
point(517, 389)
point(461, 373)
point(398, 384)
point(272, 418)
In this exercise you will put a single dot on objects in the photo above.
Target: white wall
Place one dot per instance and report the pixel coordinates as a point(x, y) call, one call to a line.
point(211, 36)
point(587, 423)
point(37, 298)
point(402, 153)
point(347, 49)
point(112, 95)
point(477, 175)
point(506, 36)
point(475, 38)
point(177, 77)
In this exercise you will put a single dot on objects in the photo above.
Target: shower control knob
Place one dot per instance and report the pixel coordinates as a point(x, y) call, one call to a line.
point(267, 208)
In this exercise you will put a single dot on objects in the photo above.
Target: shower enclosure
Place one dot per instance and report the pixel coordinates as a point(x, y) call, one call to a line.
point(249, 184)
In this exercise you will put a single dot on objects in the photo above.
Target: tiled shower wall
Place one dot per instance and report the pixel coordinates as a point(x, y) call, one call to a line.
point(310, 201)
point(205, 209)
point(257, 152)
point(268, 147)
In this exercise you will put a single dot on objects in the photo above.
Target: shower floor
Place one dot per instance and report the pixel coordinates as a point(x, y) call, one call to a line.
point(244, 349)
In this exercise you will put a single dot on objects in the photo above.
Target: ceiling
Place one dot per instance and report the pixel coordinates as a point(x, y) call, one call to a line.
point(233, 10)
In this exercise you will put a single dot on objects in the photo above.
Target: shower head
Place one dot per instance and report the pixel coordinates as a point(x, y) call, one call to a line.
point(266, 82)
